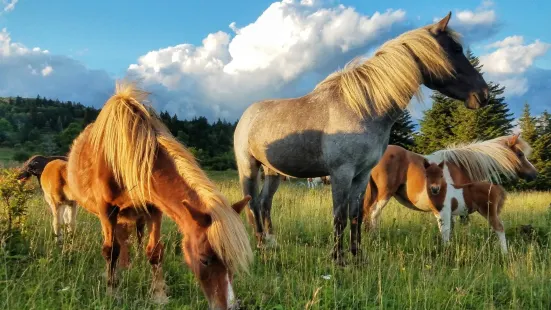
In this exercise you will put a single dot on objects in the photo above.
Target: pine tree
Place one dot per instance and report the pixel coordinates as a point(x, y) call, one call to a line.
point(436, 125)
point(527, 125)
point(401, 132)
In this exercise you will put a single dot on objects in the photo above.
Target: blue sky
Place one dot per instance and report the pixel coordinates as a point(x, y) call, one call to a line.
point(90, 43)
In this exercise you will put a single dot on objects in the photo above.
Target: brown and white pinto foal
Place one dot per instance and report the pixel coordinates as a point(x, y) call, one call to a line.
point(401, 174)
point(51, 173)
point(483, 197)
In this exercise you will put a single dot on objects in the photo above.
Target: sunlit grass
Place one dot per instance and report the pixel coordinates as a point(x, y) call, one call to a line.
point(404, 265)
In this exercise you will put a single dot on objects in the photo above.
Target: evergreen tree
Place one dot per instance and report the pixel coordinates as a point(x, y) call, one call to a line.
point(527, 125)
point(436, 125)
point(401, 132)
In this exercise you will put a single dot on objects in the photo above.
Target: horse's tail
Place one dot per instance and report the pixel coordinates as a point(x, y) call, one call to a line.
point(125, 133)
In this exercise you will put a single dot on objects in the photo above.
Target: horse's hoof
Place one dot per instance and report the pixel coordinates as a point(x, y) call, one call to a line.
point(160, 298)
point(270, 241)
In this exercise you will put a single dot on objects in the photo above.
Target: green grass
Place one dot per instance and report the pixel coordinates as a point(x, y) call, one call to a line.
point(405, 265)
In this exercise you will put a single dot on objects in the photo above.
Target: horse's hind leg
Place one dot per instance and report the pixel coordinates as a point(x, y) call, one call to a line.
point(491, 212)
point(248, 177)
point(271, 183)
point(70, 216)
point(57, 221)
point(155, 253)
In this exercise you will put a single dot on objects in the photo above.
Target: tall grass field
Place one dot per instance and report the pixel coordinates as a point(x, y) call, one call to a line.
point(403, 265)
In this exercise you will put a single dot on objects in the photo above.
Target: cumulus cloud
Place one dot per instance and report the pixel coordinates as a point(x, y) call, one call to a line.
point(289, 47)
point(9, 5)
point(510, 62)
point(512, 56)
point(28, 71)
point(475, 25)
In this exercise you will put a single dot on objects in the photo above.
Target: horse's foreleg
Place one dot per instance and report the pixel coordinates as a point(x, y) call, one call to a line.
point(444, 218)
point(340, 188)
point(356, 198)
point(122, 233)
point(155, 253)
point(271, 183)
point(140, 227)
point(111, 249)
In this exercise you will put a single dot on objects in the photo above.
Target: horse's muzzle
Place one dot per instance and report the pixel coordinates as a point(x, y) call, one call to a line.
point(435, 190)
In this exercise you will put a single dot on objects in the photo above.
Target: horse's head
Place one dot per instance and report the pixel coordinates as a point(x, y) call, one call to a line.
point(33, 166)
point(466, 83)
point(525, 169)
point(213, 273)
point(434, 174)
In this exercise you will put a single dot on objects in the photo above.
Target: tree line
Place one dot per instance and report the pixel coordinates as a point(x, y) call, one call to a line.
point(46, 126)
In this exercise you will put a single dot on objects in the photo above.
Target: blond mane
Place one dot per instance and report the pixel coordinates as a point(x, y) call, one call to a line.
point(484, 160)
point(130, 149)
point(391, 77)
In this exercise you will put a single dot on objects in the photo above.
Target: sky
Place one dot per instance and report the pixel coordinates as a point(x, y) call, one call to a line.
point(215, 58)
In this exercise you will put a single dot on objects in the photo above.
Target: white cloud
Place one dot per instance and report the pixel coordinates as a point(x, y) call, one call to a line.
point(470, 18)
point(269, 57)
point(512, 57)
point(510, 62)
point(508, 41)
point(515, 86)
point(475, 25)
point(47, 70)
point(30, 71)
point(9, 5)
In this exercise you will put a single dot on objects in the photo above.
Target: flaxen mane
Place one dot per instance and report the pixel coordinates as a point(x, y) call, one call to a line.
point(392, 76)
point(130, 149)
point(484, 160)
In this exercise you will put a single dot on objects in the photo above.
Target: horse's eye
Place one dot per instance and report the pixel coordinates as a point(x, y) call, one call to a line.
point(520, 154)
point(206, 260)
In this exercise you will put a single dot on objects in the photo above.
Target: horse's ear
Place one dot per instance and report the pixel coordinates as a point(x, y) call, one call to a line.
point(442, 24)
point(513, 139)
point(198, 215)
point(441, 165)
point(426, 164)
point(240, 205)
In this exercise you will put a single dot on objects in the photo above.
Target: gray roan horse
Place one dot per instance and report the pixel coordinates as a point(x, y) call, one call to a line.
point(342, 127)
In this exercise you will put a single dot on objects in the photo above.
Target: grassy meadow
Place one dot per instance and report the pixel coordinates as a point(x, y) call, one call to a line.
point(404, 266)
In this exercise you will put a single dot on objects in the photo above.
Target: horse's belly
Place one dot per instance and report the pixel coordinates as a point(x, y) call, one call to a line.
point(296, 155)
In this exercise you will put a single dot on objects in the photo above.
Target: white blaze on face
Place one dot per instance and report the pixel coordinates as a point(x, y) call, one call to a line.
point(229, 294)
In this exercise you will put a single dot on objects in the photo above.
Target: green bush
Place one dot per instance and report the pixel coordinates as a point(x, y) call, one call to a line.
point(13, 210)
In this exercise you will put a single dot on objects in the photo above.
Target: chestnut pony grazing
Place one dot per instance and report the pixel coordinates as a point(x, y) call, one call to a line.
point(127, 165)
point(342, 127)
point(51, 173)
point(401, 174)
point(483, 197)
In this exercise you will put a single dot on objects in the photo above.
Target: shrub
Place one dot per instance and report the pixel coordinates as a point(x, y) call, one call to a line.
point(13, 210)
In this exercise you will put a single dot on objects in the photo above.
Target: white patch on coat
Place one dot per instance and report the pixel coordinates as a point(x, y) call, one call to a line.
point(230, 297)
